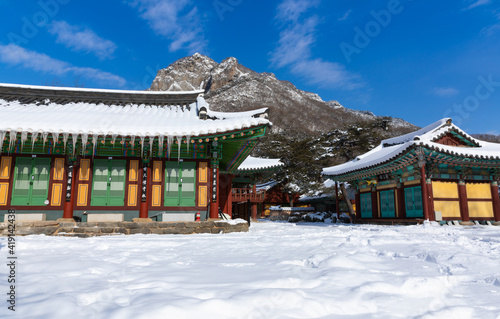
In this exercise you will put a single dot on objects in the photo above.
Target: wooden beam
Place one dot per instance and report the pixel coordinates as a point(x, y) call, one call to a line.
point(425, 196)
point(496, 200)
point(337, 207)
point(464, 206)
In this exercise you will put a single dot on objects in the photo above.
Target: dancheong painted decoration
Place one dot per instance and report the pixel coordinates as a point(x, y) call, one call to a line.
point(74, 152)
point(436, 173)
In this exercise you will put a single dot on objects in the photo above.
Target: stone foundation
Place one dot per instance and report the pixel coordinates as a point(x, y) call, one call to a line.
point(75, 229)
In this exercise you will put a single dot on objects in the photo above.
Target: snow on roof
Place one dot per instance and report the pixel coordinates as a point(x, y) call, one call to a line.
point(228, 115)
point(306, 198)
point(391, 148)
point(329, 183)
point(266, 186)
point(256, 163)
point(73, 89)
point(373, 157)
point(87, 118)
point(429, 132)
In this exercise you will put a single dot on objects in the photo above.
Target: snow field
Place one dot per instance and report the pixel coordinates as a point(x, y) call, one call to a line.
point(277, 270)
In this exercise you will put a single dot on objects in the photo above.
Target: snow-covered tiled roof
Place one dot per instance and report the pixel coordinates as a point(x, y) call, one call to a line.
point(229, 115)
point(429, 133)
point(393, 147)
point(257, 163)
point(93, 90)
point(65, 95)
point(266, 186)
point(131, 119)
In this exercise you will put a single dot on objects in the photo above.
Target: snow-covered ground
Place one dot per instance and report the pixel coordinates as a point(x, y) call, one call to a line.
point(277, 270)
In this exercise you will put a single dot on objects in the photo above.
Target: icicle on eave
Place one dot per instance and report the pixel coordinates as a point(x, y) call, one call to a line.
point(151, 143)
point(170, 140)
point(113, 140)
point(95, 137)
point(161, 139)
point(65, 140)
point(55, 138)
point(179, 142)
point(2, 137)
point(142, 146)
point(74, 140)
point(44, 136)
point(34, 136)
point(85, 139)
point(24, 138)
point(12, 139)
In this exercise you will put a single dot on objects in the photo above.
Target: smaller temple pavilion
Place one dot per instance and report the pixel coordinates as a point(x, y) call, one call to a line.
point(85, 153)
point(246, 197)
point(436, 173)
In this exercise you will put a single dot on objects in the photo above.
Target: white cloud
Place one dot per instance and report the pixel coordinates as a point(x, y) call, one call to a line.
point(345, 16)
point(476, 3)
point(445, 92)
point(15, 55)
point(494, 28)
point(294, 49)
point(291, 10)
point(324, 74)
point(177, 20)
point(491, 30)
point(295, 43)
point(82, 39)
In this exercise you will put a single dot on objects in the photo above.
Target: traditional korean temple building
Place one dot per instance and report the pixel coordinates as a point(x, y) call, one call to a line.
point(275, 195)
point(247, 198)
point(436, 173)
point(69, 152)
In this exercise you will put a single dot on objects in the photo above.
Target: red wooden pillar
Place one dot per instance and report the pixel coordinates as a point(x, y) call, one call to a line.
point(146, 177)
point(224, 196)
point(254, 204)
point(68, 204)
point(496, 201)
point(430, 195)
point(374, 202)
point(230, 196)
point(337, 207)
point(464, 207)
point(254, 211)
point(401, 201)
point(425, 195)
point(358, 204)
point(214, 203)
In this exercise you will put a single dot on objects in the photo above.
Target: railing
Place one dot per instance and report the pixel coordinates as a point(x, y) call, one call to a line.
point(244, 194)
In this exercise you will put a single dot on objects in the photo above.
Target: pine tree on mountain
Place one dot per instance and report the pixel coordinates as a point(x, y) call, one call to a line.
point(304, 157)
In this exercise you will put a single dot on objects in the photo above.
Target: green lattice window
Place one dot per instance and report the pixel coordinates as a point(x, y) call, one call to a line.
point(31, 181)
point(387, 206)
point(413, 200)
point(108, 183)
point(180, 184)
point(366, 205)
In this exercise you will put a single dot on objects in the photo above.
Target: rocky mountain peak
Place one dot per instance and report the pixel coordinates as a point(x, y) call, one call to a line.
point(186, 74)
point(231, 87)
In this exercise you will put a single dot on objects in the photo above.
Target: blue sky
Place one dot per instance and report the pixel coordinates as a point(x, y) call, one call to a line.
point(420, 60)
